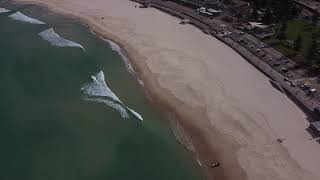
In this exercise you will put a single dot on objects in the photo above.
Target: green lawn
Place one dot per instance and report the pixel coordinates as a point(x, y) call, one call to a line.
point(294, 28)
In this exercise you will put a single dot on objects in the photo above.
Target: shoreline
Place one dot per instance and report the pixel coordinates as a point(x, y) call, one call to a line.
point(158, 96)
point(225, 147)
point(151, 90)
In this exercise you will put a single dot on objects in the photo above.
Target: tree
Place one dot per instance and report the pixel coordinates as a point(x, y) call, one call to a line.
point(254, 13)
point(283, 9)
point(227, 2)
point(314, 19)
point(268, 17)
point(282, 31)
point(311, 51)
point(297, 43)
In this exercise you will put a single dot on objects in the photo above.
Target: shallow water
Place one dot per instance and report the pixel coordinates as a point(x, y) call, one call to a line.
point(47, 128)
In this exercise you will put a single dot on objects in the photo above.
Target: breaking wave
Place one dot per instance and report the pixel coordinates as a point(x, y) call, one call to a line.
point(4, 10)
point(109, 103)
point(98, 88)
point(135, 114)
point(18, 16)
point(56, 40)
point(117, 48)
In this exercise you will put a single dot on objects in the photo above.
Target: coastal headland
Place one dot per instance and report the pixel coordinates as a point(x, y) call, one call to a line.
point(230, 111)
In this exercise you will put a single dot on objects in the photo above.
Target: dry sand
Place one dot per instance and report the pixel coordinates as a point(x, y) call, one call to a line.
point(229, 108)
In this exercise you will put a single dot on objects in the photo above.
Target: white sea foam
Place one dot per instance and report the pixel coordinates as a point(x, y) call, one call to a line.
point(199, 162)
point(115, 47)
point(92, 32)
point(135, 114)
point(4, 10)
point(112, 104)
point(18, 16)
point(56, 40)
point(140, 82)
point(98, 88)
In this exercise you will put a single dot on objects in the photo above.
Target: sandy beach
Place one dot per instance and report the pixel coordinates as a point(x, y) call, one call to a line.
point(228, 108)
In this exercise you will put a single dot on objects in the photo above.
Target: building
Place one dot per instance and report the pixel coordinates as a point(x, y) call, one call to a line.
point(209, 11)
point(315, 126)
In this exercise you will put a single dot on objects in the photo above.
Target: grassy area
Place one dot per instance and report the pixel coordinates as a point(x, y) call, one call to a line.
point(295, 27)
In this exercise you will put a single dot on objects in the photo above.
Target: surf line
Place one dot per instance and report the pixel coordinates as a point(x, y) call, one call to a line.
point(4, 10)
point(18, 16)
point(55, 40)
point(115, 47)
point(97, 88)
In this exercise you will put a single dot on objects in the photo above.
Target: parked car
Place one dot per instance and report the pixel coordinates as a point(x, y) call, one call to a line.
point(240, 40)
point(305, 87)
point(283, 70)
point(276, 65)
point(286, 61)
point(292, 84)
point(311, 91)
point(289, 75)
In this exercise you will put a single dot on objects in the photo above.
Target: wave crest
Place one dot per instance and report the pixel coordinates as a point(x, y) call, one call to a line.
point(4, 10)
point(98, 88)
point(56, 40)
point(18, 16)
point(118, 107)
point(115, 47)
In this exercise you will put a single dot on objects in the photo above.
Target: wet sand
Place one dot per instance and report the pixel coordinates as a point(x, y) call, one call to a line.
point(228, 108)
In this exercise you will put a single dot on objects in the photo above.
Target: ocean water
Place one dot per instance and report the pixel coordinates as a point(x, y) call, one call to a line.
point(70, 107)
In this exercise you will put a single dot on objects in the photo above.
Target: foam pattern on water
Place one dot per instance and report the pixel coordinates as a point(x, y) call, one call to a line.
point(135, 114)
point(98, 88)
point(56, 40)
point(109, 103)
point(18, 16)
point(117, 48)
point(4, 10)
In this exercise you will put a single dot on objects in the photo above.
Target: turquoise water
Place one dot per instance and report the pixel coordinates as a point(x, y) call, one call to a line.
point(47, 128)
